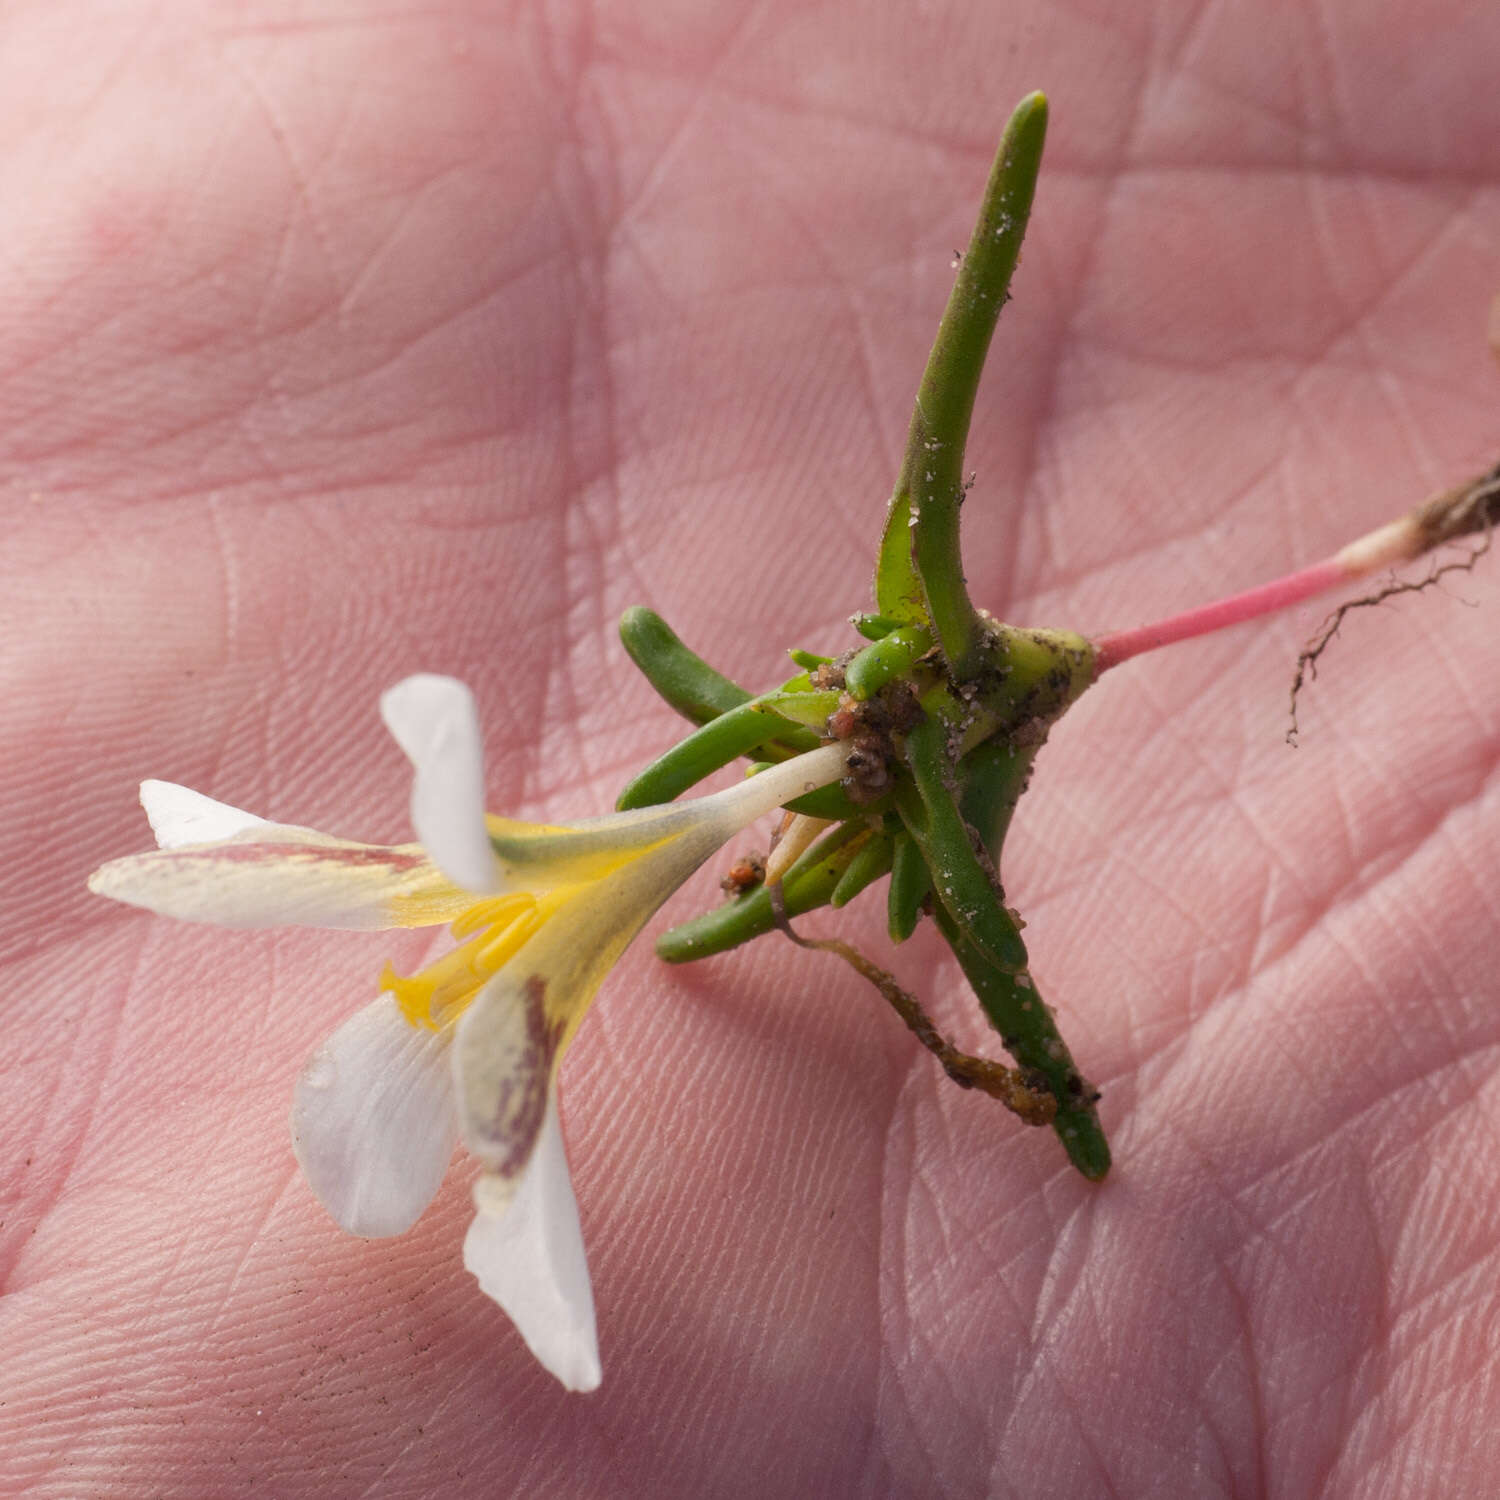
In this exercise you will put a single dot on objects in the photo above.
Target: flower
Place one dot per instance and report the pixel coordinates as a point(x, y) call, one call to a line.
point(469, 1047)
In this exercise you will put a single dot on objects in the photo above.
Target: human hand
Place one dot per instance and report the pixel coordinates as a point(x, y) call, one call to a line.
point(337, 349)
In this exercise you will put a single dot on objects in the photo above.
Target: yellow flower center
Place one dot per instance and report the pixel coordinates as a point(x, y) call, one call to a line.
point(439, 994)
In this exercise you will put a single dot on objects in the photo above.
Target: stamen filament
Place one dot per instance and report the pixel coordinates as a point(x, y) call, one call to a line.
point(438, 995)
point(490, 913)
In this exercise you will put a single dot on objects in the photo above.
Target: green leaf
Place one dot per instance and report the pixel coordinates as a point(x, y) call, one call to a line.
point(911, 883)
point(929, 809)
point(890, 657)
point(809, 661)
point(1029, 1033)
point(919, 556)
point(809, 883)
point(809, 708)
point(681, 676)
point(898, 589)
point(871, 861)
point(994, 777)
point(873, 627)
point(718, 742)
point(942, 808)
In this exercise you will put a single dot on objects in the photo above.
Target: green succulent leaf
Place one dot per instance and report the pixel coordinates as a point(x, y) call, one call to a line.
point(919, 571)
point(680, 675)
point(1029, 1033)
point(749, 727)
point(967, 890)
point(872, 627)
point(994, 777)
point(809, 883)
point(809, 707)
point(911, 884)
point(898, 588)
point(871, 861)
point(809, 661)
point(890, 657)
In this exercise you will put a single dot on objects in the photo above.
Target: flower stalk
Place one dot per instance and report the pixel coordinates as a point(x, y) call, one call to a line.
point(1466, 509)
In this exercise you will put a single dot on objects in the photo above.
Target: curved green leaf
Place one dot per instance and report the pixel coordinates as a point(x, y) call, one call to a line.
point(919, 556)
point(718, 742)
point(871, 861)
point(966, 889)
point(890, 657)
point(1029, 1033)
point(809, 883)
point(911, 883)
point(680, 675)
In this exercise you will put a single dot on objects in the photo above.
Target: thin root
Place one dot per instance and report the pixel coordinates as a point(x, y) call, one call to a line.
point(1471, 508)
point(1025, 1095)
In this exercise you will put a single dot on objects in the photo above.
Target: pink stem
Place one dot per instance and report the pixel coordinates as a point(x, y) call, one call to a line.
point(1280, 593)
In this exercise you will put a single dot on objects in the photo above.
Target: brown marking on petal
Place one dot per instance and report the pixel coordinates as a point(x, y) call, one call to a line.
point(355, 855)
point(390, 858)
point(521, 1099)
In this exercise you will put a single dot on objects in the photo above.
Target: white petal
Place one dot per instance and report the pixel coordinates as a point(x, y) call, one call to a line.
point(178, 815)
point(747, 800)
point(275, 875)
point(509, 1039)
point(372, 1120)
point(717, 816)
point(435, 722)
point(505, 1045)
point(526, 1248)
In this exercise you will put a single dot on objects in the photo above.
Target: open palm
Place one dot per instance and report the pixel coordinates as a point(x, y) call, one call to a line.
point(338, 346)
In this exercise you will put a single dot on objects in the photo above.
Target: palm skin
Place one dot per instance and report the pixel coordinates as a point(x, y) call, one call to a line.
point(339, 348)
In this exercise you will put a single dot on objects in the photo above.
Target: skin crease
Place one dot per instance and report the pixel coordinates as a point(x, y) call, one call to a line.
point(340, 342)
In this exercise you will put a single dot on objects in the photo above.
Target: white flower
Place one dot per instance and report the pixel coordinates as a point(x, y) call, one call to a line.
point(469, 1047)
